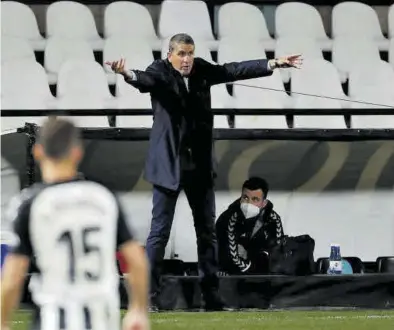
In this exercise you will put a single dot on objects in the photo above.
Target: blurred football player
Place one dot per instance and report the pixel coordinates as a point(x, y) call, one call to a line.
point(73, 228)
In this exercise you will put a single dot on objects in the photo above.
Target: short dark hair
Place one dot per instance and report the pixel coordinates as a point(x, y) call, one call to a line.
point(57, 137)
point(256, 183)
point(180, 38)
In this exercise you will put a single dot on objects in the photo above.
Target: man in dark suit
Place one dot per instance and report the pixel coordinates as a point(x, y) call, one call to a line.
point(180, 154)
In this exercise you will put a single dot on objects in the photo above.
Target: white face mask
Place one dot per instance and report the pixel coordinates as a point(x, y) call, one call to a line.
point(249, 210)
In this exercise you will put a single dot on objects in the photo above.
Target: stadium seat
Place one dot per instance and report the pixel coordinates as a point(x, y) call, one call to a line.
point(93, 103)
point(235, 50)
point(295, 19)
point(188, 16)
point(16, 49)
point(322, 265)
point(220, 98)
point(134, 121)
point(265, 122)
point(254, 98)
point(82, 77)
point(81, 26)
point(250, 24)
point(348, 52)
point(391, 22)
point(268, 88)
point(138, 54)
point(24, 80)
point(308, 47)
point(83, 85)
point(220, 122)
point(318, 77)
point(377, 76)
point(18, 20)
point(391, 52)
point(375, 100)
point(253, 94)
point(357, 20)
point(132, 21)
point(24, 86)
point(385, 265)
point(59, 50)
point(127, 97)
point(328, 122)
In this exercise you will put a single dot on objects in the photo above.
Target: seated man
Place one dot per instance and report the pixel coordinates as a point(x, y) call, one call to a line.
point(247, 231)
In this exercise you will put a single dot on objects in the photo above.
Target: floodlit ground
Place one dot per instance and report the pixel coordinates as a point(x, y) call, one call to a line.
point(265, 320)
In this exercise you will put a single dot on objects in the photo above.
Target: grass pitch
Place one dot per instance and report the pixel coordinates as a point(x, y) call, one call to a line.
point(264, 320)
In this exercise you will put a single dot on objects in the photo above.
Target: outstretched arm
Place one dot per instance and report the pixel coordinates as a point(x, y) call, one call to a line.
point(229, 72)
point(145, 81)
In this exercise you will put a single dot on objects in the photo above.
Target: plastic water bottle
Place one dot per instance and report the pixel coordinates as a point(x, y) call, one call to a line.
point(335, 267)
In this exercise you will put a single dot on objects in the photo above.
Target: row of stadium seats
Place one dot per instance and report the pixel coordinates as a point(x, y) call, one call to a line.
point(83, 84)
point(346, 52)
point(349, 19)
point(84, 76)
point(383, 265)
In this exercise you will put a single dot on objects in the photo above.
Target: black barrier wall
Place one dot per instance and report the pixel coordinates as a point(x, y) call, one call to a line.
point(288, 165)
point(309, 164)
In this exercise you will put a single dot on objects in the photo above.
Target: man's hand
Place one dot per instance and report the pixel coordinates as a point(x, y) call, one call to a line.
point(292, 61)
point(136, 320)
point(118, 66)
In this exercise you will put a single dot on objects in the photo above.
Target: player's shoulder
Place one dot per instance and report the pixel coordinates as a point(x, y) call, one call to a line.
point(22, 201)
point(158, 65)
point(27, 195)
point(96, 187)
point(202, 66)
point(201, 62)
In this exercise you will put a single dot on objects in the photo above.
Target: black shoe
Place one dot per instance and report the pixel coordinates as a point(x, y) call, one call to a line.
point(215, 304)
point(153, 308)
point(209, 308)
point(153, 304)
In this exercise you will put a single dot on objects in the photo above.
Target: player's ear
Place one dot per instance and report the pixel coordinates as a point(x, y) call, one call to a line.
point(77, 153)
point(38, 152)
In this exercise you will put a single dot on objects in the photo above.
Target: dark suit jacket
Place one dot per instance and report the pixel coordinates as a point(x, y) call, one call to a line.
point(173, 105)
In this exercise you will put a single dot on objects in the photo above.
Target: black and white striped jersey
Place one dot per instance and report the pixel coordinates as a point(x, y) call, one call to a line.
point(73, 229)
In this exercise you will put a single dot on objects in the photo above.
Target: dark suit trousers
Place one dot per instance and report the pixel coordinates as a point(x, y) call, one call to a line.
point(202, 203)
